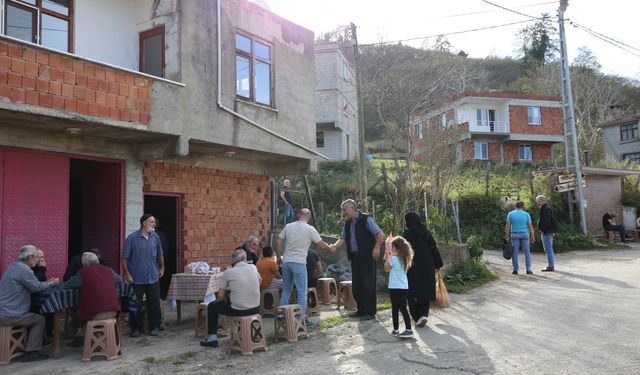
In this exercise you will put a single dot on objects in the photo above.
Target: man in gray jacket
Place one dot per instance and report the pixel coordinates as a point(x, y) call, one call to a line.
point(16, 286)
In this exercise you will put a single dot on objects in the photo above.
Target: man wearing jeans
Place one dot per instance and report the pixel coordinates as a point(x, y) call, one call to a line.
point(548, 227)
point(297, 238)
point(286, 203)
point(143, 266)
point(519, 231)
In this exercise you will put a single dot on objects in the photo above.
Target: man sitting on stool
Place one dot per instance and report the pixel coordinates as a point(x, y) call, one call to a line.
point(243, 282)
point(98, 297)
point(609, 224)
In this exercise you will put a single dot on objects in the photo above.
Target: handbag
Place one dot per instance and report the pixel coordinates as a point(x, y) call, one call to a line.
point(507, 250)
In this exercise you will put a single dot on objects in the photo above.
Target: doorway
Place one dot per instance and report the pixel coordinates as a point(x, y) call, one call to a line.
point(95, 209)
point(166, 209)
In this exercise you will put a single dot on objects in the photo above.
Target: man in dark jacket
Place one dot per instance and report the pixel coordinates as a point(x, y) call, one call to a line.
point(364, 239)
point(548, 226)
point(75, 264)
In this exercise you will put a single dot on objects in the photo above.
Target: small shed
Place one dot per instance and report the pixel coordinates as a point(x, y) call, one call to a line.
point(602, 194)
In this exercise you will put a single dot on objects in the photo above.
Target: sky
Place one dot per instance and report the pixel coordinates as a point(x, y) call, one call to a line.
point(403, 19)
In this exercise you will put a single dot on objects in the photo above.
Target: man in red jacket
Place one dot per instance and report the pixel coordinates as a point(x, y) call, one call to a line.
point(98, 297)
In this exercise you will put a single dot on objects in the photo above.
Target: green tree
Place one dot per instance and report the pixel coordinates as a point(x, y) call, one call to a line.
point(538, 42)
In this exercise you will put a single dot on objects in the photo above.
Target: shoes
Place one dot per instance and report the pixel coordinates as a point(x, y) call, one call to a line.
point(529, 272)
point(548, 269)
point(356, 314)
point(422, 321)
point(134, 332)
point(280, 316)
point(395, 333)
point(514, 272)
point(408, 334)
point(367, 317)
point(77, 342)
point(210, 344)
point(33, 356)
point(154, 332)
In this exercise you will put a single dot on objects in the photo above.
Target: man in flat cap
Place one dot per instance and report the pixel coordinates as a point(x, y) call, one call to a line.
point(143, 265)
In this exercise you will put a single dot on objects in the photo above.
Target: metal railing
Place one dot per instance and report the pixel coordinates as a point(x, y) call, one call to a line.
point(488, 127)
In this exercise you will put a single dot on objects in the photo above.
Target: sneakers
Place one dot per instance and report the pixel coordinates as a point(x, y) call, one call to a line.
point(529, 272)
point(154, 332)
point(408, 334)
point(422, 321)
point(548, 269)
point(395, 333)
point(33, 356)
point(209, 344)
point(514, 272)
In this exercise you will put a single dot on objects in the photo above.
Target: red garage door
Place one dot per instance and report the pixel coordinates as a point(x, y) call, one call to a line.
point(35, 207)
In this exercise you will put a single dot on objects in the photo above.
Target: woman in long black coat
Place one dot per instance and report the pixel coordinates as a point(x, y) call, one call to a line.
point(421, 275)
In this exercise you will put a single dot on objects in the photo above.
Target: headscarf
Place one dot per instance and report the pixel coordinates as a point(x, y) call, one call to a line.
point(413, 222)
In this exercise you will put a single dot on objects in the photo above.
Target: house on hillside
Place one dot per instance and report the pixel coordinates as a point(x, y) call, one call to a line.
point(493, 126)
point(621, 138)
point(182, 109)
point(336, 103)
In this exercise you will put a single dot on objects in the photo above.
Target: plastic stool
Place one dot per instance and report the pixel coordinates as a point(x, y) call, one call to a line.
point(290, 323)
point(312, 296)
point(269, 300)
point(328, 289)
point(13, 340)
point(247, 334)
point(345, 296)
point(101, 338)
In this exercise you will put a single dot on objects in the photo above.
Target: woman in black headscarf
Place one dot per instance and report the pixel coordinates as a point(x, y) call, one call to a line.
point(421, 275)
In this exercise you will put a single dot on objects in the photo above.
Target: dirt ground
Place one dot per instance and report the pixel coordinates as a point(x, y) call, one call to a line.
point(580, 319)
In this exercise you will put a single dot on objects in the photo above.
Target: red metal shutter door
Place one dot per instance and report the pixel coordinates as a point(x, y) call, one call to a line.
point(36, 207)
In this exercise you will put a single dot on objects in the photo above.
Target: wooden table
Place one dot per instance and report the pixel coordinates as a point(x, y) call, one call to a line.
point(56, 300)
point(192, 287)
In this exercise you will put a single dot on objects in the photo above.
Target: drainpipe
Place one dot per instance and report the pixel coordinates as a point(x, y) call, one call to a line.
point(236, 114)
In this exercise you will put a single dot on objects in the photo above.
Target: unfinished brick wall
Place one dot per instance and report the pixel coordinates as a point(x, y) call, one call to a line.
point(42, 78)
point(551, 121)
point(603, 194)
point(220, 209)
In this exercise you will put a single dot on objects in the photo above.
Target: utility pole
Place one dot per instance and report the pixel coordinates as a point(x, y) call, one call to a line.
point(363, 162)
point(569, 114)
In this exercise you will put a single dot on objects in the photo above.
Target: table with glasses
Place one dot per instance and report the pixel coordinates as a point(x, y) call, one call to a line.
point(56, 300)
point(192, 287)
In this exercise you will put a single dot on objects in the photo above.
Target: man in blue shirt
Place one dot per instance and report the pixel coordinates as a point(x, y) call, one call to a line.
point(363, 238)
point(519, 231)
point(143, 265)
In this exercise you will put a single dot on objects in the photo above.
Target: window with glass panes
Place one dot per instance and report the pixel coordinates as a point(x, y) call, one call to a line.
point(524, 152)
point(253, 69)
point(634, 157)
point(628, 132)
point(481, 150)
point(45, 22)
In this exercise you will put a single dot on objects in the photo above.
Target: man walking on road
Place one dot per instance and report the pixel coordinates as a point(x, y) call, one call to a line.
point(363, 238)
point(297, 237)
point(548, 225)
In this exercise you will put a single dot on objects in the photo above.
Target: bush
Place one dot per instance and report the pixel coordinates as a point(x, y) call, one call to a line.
point(475, 247)
point(472, 274)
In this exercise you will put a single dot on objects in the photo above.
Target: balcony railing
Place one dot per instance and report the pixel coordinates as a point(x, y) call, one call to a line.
point(499, 127)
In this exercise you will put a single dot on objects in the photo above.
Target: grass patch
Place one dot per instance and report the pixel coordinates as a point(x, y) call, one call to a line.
point(471, 275)
point(188, 355)
point(149, 360)
point(144, 341)
point(386, 305)
point(332, 322)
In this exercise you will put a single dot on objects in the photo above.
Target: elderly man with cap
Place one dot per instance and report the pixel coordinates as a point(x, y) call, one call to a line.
point(16, 286)
point(243, 283)
point(143, 265)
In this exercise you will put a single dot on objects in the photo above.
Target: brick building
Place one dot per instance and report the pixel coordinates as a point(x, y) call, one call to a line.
point(184, 109)
point(496, 127)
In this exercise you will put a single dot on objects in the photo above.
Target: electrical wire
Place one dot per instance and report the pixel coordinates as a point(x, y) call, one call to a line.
point(511, 10)
point(606, 39)
point(584, 28)
point(486, 11)
point(446, 34)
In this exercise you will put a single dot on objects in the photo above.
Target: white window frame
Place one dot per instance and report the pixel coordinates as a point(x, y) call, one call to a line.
point(481, 150)
point(522, 151)
point(443, 121)
point(419, 133)
point(254, 59)
point(532, 119)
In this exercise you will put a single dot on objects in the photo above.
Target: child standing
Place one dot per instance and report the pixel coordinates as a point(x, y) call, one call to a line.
point(398, 259)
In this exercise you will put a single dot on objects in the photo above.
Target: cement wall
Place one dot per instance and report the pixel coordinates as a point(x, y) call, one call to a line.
point(616, 148)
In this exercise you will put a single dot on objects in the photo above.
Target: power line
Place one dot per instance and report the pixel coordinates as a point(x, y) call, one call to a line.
point(486, 11)
point(606, 39)
point(602, 35)
point(446, 34)
point(510, 10)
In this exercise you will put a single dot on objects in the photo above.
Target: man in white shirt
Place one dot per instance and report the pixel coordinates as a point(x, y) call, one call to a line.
point(297, 237)
point(243, 282)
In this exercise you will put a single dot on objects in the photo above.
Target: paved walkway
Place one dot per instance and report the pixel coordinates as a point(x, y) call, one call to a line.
point(581, 319)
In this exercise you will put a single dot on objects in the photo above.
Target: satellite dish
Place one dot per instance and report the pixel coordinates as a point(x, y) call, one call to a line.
point(262, 4)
